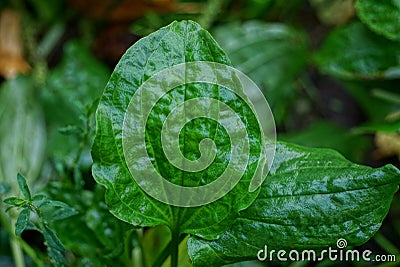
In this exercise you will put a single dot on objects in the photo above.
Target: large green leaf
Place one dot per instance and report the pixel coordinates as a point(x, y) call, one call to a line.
point(176, 43)
point(311, 198)
point(354, 52)
point(22, 132)
point(383, 17)
point(272, 55)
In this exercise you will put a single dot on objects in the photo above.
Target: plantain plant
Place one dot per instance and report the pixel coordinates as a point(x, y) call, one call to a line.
point(311, 198)
point(60, 131)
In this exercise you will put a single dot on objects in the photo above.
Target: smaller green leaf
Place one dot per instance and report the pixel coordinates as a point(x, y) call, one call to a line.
point(64, 213)
point(354, 52)
point(52, 239)
point(375, 109)
point(39, 196)
point(57, 210)
point(386, 95)
point(56, 203)
point(39, 199)
point(383, 17)
point(15, 201)
point(387, 127)
point(70, 130)
point(23, 186)
point(51, 203)
point(22, 221)
point(56, 257)
point(94, 226)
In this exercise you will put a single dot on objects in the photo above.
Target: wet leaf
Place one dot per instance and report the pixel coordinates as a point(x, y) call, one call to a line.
point(311, 198)
point(176, 43)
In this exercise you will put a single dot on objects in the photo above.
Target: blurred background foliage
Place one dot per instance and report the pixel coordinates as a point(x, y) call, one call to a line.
point(330, 70)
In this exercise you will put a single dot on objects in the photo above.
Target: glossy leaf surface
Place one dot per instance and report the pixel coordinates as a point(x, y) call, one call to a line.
point(311, 198)
point(174, 44)
point(367, 55)
point(383, 17)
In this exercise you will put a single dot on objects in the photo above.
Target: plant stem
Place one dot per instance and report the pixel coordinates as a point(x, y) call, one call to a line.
point(17, 243)
point(174, 249)
point(163, 256)
point(17, 252)
point(165, 253)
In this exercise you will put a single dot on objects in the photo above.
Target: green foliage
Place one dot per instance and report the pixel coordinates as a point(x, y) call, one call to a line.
point(311, 198)
point(38, 204)
point(22, 221)
point(23, 186)
point(93, 226)
point(351, 145)
point(171, 45)
point(368, 56)
point(309, 206)
point(383, 17)
point(282, 56)
point(22, 132)
point(70, 100)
